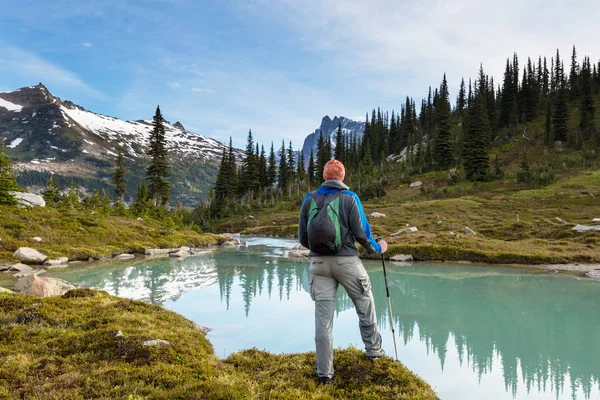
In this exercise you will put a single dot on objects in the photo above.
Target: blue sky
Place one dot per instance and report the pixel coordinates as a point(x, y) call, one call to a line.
point(276, 66)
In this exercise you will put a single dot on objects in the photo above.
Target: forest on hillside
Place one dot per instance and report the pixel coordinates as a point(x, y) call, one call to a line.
point(540, 101)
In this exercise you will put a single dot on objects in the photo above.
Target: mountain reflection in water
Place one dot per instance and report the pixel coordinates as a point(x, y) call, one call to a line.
point(541, 330)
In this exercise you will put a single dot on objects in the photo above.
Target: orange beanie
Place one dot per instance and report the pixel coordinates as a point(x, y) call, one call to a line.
point(334, 171)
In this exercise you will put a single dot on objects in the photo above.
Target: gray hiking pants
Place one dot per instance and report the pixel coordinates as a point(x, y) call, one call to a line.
point(326, 272)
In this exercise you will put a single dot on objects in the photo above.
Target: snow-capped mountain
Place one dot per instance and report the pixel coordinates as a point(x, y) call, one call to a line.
point(45, 134)
point(329, 129)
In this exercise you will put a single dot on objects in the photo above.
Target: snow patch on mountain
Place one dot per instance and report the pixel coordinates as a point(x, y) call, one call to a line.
point(178, 140)
point(10, 106)
point(15, 143)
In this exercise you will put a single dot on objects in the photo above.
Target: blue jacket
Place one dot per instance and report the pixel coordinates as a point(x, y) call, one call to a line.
point(353, 221)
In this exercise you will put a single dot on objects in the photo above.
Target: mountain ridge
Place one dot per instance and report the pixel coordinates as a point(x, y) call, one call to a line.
point(47, 135)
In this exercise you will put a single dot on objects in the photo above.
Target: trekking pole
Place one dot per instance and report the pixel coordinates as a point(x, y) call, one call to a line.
point(387, 291)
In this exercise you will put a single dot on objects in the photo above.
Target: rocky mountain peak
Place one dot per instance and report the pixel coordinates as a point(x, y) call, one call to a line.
point(179, 126)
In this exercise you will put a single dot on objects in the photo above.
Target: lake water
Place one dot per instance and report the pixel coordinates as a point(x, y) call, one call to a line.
point(472, 332)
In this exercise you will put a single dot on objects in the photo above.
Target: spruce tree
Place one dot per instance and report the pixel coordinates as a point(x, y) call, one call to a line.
point(574, 77)
point(272, 168)
point(51, 194)
point(560, 117)
point(301, 171)
point(7, 179)
point(322, 158)
point(140, 204)
point(477, 142)
point(461, 100)
point(231, 174)
point(250, 179)
point(339, 144)
point(283, 170)
point(310, 172)
point(549, 133)
point(119, 179)
point(263, 169)
point(587, 105)
point(158, 171)
point(443, 137)
point(291, 164)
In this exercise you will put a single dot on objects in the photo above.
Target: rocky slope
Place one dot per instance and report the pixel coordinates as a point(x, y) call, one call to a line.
point(45, 135)
point(329, 128)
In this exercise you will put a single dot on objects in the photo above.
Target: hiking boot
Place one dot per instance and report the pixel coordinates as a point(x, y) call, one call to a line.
point(375, 354)
point(325, 380)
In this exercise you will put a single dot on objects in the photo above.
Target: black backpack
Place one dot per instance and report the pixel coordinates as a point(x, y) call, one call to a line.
point(323, 227)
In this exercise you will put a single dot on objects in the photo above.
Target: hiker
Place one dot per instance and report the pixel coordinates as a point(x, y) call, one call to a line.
point(331, 236)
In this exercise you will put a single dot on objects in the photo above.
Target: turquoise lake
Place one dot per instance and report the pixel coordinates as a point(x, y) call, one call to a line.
point(472, 332)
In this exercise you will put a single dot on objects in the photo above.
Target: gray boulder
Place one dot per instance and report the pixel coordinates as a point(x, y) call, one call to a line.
point(402, 257)
point(586, 228)
point(30, 256)
point(405, 230)
point(596, 220)
point(124, 256)
point(5, 290)
point(156, 342)
point(37, 239)
point(59, 262)
point(202, 329)
point(28, 199)
point(180, 253)
point(470, 231)
point(416, 184)
point(20, 268)
point(595, 274)
point(159, 252)
point(375, 214)
point(229, 243)
point(296, 253)
point(42, 287)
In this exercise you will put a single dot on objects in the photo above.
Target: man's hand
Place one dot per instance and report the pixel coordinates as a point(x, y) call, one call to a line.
point(383, 245)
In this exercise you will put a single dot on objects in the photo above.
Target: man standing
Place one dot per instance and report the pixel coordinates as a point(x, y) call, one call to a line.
point(338, 264)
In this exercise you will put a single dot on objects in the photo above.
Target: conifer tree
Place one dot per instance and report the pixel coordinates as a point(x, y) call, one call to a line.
point(322, 157)
point(549, 133)
point(443, 137)
point(140, 204)
point(283, 170)
point(574, 76)
point(560, 117)
point(220, 190)
point(119, 179)
point(291, 160)
point(250, 178)
point(339, 144)
point(587, 105)
point(272, 168)
point(158, 170)
point(231, 174)
point(476, 142)
point(311, 169)
point(263, 169)
point(301, 171)
point(7, 179)
point(461, 100)
point(51, 194)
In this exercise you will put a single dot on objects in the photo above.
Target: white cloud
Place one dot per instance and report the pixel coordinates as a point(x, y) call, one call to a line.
point(35, 69)
point(203, 90)
point(87, 44)
point(414, 43)
point(174, 85)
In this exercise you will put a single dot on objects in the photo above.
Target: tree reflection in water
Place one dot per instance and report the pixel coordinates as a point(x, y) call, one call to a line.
point(543, 328)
